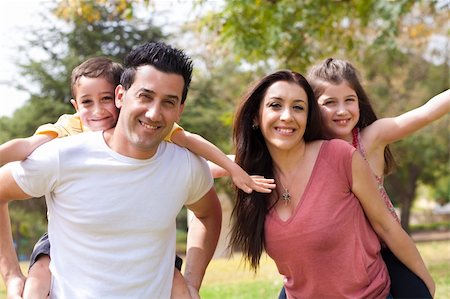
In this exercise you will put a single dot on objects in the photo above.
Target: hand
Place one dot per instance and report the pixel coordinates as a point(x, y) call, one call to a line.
point(15, 287)
point(248, 184)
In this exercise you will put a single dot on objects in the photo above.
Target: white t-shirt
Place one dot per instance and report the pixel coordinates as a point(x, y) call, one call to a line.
point(111, 218)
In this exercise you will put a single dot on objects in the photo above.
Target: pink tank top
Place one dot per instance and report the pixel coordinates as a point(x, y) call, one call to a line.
point(360, 146)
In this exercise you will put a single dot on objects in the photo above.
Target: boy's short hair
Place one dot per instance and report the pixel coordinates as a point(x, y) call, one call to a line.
point(96, 67)
point(161, 56)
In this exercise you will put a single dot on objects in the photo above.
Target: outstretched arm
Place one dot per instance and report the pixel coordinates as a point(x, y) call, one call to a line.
point(19, 149)
point(389, 130)
point(203, 235)
point(9, 265)
point(390, 231)
point(200, 146)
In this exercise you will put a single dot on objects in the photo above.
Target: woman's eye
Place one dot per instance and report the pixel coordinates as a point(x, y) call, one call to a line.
point(274, 105)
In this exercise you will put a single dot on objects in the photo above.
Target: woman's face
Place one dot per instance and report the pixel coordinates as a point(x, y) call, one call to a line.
point(283, 115)
point(339, 108)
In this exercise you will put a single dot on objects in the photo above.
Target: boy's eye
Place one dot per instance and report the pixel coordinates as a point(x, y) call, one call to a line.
point(107, 99)
point(86, 102)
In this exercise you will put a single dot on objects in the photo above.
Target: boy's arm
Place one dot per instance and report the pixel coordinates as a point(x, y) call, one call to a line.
point(19, 149)
point(200, 146)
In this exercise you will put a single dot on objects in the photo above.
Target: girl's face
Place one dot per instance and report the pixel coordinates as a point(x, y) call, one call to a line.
point(283, 115)
point(339, 108)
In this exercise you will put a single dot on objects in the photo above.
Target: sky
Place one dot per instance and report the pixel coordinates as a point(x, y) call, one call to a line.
point(14, 15)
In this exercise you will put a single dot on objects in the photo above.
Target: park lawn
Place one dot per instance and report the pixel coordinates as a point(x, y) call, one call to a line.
point(230, 278)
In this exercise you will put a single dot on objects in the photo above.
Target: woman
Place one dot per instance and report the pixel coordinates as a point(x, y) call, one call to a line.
point(314, 224)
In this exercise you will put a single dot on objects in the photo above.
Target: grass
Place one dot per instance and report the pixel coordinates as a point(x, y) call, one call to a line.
point(230, 278)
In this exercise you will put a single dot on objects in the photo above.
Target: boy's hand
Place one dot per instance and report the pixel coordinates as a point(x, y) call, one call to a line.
point(248, 184)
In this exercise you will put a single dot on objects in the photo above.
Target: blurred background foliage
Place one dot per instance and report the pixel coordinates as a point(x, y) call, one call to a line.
point(400, 47)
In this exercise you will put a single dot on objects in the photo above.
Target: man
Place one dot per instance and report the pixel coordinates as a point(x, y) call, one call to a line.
point(113, 196)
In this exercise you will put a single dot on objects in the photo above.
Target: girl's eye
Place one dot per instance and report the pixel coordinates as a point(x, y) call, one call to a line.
point(327, 103)
point(299, 108)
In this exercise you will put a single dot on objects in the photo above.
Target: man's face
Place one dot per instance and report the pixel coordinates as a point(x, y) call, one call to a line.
point(149, 109)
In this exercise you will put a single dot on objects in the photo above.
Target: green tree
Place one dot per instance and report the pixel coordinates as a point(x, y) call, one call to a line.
point(294, 33)
point(386, 39)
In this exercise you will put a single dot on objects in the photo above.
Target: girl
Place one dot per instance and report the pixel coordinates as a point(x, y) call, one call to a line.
point(347, 114)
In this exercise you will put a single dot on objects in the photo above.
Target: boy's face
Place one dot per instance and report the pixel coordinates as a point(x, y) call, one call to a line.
point(94, 102)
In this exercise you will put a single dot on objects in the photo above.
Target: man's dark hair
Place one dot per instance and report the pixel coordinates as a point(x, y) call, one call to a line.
point(161, 56)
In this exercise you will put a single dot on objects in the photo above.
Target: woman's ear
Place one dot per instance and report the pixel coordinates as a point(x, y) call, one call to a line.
point(255, 124)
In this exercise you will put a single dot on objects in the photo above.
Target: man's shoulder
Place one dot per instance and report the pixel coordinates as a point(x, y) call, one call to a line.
point(179, 151)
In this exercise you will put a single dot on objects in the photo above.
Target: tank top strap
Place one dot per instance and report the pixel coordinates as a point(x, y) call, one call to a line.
point(380, 179)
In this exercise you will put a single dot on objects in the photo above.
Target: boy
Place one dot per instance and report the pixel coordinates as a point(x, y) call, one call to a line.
point(93, 85)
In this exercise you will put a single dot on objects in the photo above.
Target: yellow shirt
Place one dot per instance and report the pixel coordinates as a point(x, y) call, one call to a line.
point(70, 124)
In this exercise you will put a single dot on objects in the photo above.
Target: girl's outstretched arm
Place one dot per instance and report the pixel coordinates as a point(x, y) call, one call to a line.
point(19, 149)
point(389, 130)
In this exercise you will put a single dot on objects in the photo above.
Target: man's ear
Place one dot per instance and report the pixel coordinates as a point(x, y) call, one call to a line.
point(74, 104)
point(180, 112)
point(119, 95)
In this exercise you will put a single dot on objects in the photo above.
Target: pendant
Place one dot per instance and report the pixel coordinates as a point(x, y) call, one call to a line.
point(286, 196)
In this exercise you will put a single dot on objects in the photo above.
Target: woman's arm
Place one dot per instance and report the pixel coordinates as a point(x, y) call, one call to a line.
point(390, 231)
point(19, 149)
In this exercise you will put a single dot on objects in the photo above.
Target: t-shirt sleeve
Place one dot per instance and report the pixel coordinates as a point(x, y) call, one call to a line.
point(66, 125)
point(176, 127)
point(37, 174)
point(341, 153)
point(201, 179)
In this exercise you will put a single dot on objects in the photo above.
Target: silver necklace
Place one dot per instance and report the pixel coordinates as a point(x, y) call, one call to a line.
point(285, 196)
